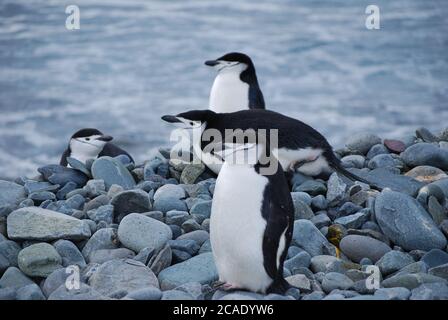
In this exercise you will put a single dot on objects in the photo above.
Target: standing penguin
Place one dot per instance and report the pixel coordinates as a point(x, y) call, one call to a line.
point(236, 86)
point(251, 222)
point(88, 144)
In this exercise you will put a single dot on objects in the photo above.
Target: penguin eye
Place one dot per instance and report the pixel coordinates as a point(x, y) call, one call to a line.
point(191, 123)
point(87, 139)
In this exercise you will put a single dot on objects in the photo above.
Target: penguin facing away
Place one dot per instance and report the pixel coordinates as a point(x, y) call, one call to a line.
point(236, 85)
point(90, 143)
point(300, 147)
point(251, 224)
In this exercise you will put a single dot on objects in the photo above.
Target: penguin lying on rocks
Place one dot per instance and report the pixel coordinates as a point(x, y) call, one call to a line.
point(300, 147)
point(88, 144)
point(251, 222)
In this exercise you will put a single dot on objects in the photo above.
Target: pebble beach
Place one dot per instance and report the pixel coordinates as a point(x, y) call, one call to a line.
point(112, 229)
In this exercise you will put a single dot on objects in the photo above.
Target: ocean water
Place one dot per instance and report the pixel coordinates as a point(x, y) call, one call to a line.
point(133, 61)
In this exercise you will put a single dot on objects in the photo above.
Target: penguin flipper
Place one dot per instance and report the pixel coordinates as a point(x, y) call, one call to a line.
point(63, 162)
point(279, 211)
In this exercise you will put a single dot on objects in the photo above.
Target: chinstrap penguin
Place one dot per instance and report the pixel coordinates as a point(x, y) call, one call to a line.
point(300, 147)
point(88, 144)
point(236, 86)
point(251, 222)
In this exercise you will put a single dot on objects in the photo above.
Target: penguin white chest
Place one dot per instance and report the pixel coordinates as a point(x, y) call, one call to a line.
point(237, 228)
point(229, 93)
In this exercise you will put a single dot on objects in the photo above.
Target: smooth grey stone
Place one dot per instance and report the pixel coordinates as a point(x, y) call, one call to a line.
point(302, 210)
point(385, 160)
point(416, 267)
point(312, 187)
point(406, 223)
point(104, 213)
point(130, 201)
point(357, 247)
point(34, 223)
point(189, 246)
point(302, 259)
point(385, 178)
point(430, 291)
point(300, 281)
point(161, 260)
point(195, 289)
point(9, 250)
point(191, 173)
point(436, 210)
point(14, 278)
point(11, 194)
point(366, 262)
point(76, 202)
point(158, 215)
point(84, 292)
point(70, 253)
point(137, 231)
point(316, 295)
point(57, 278)
point(200, 236)
point(440, 271)
point(149, 293)
point(176, 230)
point(376, 150)
point(104, 255)
point(41, 196)
point(354, 221)
point(39, 260)
point(200, 268)
point(176, 217)
point(428, 154)
point(37, 186)
point(95, 187)
point(176, 295)
point(321, 220)
point(435, 257)
point(169, 191)
point(347, 209)
point(122, 274)
point(393, 293)
point(169, 204)
point(345, 293)
point(112, 171)
point(8, 293)
point(353, 161)
point(319, 202)
point(360, 286)
point(336, 189)
point(309, 238)
point(190, 225)
point(410, 280)
point(325, 263)
point(206, 247)
point(361, 143)
point(202, 208)
point(145, 255)
point(60, 175)
point(106, 238)
point(393, 261)
point(68, 187)
point(30, 292)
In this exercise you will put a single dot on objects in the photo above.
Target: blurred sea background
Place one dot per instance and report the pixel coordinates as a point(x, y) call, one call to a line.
point(133, 61)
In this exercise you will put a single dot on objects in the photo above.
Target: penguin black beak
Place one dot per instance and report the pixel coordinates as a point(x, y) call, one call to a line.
point(211, 63)
point(170, 119)
point(105, 138)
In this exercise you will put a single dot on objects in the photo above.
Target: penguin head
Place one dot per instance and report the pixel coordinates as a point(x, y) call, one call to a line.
point(232, 62)
point(190, 119)
point(88, 142)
